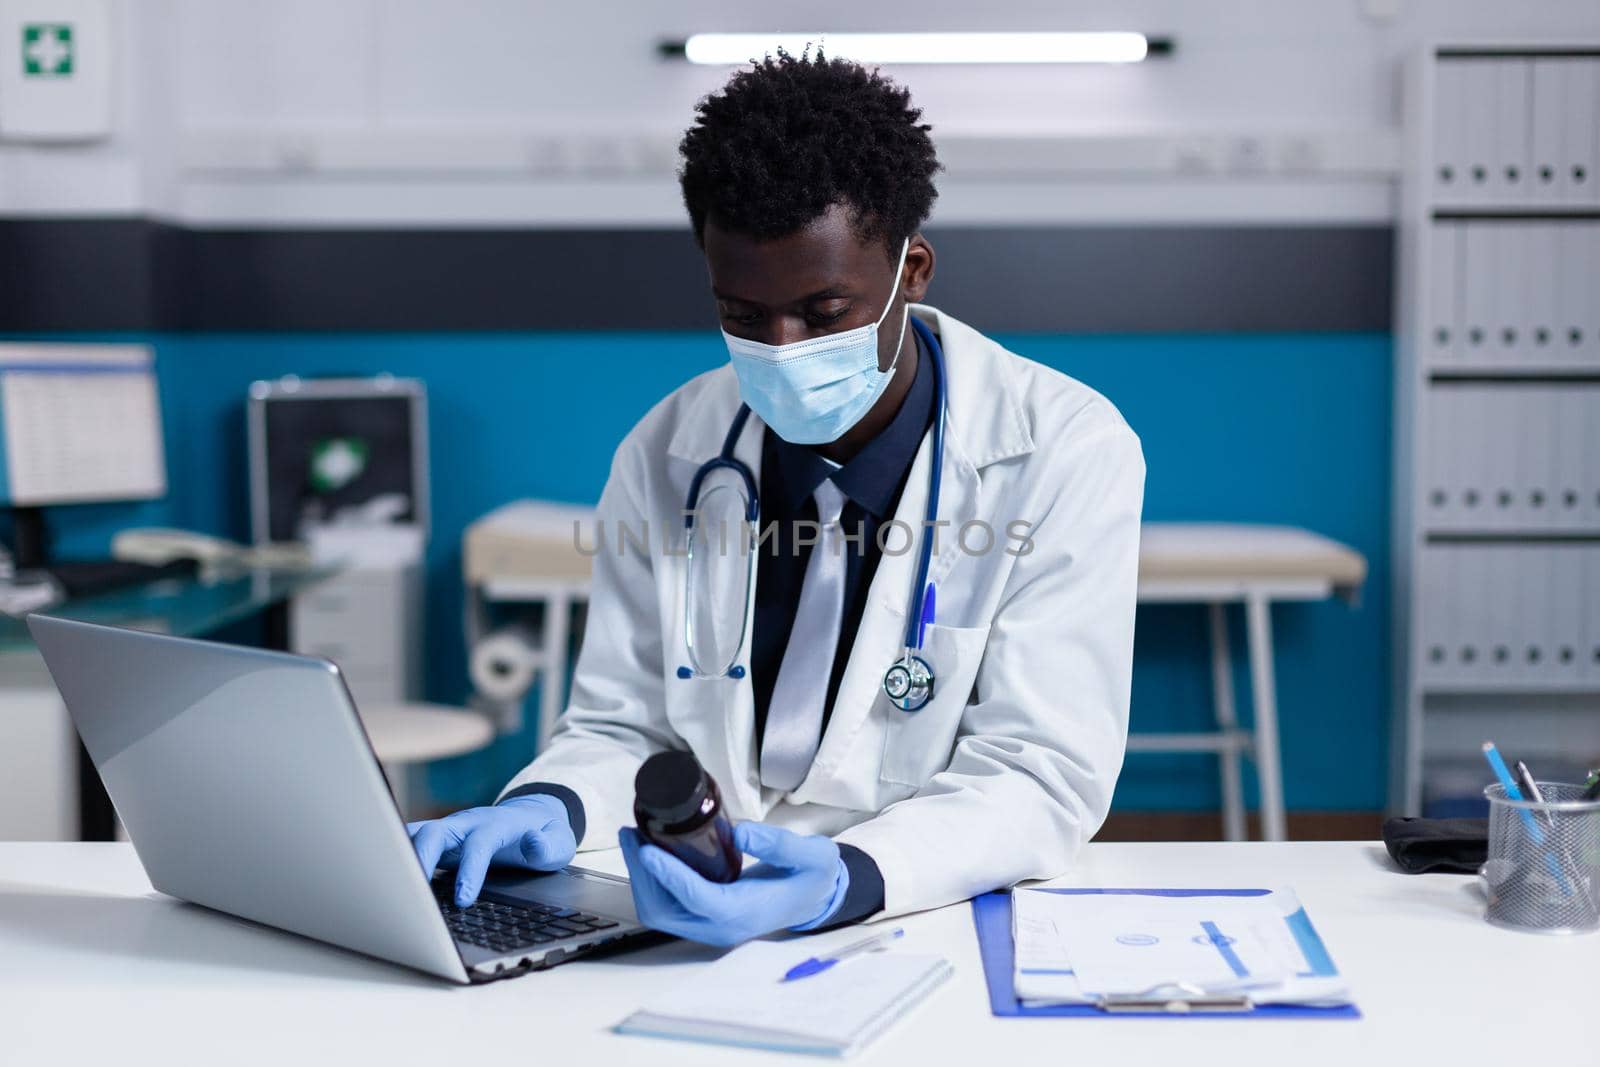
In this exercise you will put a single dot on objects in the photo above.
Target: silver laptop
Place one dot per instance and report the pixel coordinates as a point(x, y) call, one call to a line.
point(248, 785)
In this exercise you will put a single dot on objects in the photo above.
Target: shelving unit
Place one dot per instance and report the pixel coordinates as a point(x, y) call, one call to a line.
point(1497, 412)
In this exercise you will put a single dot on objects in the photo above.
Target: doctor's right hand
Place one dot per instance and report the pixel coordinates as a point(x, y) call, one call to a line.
point(531, 831)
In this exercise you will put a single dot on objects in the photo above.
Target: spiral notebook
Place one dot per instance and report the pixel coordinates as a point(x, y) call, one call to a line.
point(741, 1000)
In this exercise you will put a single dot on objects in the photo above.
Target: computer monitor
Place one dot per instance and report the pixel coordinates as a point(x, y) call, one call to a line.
point(79, 423)
point(326, 449)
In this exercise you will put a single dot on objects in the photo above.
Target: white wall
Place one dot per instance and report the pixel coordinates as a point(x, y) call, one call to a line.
point(518, 112)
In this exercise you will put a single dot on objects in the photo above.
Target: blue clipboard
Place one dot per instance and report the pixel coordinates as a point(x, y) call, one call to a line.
point(991, 914)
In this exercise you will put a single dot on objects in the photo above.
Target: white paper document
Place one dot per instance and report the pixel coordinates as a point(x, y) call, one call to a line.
point(1076, 948)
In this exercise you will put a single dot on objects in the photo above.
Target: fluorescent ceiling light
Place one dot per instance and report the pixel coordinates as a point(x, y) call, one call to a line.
point(739, 48)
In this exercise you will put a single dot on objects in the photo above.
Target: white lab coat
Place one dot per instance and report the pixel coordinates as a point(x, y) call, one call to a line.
point(1009, 769)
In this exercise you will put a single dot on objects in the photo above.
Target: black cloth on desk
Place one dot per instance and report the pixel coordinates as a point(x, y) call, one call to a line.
point(1450, 846)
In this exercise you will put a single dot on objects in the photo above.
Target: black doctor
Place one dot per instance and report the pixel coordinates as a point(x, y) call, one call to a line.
point(807, 181)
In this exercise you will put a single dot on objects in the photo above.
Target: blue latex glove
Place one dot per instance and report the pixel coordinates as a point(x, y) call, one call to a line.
point(799, 884)
point(531, 831)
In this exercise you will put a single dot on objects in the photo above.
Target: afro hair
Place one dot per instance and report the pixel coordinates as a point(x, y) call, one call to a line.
point(791, 136)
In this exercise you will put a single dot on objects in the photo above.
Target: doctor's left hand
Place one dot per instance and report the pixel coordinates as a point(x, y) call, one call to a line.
point(799, 885)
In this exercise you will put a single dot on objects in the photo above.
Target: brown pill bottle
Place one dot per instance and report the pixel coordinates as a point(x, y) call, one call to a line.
point(678, 808)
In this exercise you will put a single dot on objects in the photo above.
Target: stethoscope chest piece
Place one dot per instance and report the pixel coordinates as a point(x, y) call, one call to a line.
point(909, 683)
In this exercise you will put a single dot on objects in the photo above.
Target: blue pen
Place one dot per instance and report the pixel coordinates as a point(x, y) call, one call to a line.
point(1498, 764)
point(1535, 831)
point(815, 965)
point(928, 613)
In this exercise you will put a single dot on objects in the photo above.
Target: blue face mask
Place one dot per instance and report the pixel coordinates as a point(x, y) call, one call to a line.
point(812, 391)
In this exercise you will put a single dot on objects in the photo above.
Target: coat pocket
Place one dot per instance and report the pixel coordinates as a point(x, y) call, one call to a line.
point(918, 744)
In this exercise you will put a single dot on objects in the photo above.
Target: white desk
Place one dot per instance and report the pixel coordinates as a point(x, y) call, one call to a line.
point(95, 968)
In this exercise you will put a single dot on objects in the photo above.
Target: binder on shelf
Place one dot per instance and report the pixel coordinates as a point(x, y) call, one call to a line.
point(1509, 335)
point(1511, 571)
point(1523, 632)
point(1439, 501)
point(1543, 288)
point(1572, 242)
point(1474, 613)
point(1462, 628)
point(1444, 503)
point(1518, 577)
point(1477, 290)
point(1471, 446)
point(1493, 566)
point(1589, 652)
point(1585, 636)
point(1505, 403)
point(1552, 630)
point(1546, 146)
point(1578, 180)
point(1532, 415)
point(1591, 345)
point(1450, 131)
point(1586, 347)
point(1567, 589)
point(1532, 607)
point(1586, 472)
point(1561, 406)
point(1574, 408)
point(1486, 417)
point(1469, 626)
point(1501, 456)
point(1508, 181)
point(1540, 321)
point(1517, 443)
point(1471, 435)
point(1480, 90)
point(1463, 616)
point(1564, 290)
point(1464, 473)
point(1585, 563)
point(1443, 312)
point(1553, 442)
point(1436, 652)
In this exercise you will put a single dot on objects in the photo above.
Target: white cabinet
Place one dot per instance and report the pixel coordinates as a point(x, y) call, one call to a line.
point(38, 754)
point(368, 620)
point(1497, 415)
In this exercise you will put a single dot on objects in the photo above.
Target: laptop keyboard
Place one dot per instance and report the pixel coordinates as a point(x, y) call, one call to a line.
point(509, 928)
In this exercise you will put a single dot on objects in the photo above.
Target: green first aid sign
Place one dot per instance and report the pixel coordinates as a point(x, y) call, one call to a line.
point(46, 50)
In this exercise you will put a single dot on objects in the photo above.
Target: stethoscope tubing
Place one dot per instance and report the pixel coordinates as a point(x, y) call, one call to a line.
point(920, 608)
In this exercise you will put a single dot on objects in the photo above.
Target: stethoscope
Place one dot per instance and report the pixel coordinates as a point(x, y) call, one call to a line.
point(908, 682)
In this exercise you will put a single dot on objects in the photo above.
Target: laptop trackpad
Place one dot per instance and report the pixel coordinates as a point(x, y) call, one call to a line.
point(571, 887)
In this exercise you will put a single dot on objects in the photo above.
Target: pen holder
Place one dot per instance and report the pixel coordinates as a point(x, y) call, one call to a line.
point(1543, 871)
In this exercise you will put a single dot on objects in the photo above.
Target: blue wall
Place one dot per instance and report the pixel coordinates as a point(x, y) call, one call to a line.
point(1250, 427)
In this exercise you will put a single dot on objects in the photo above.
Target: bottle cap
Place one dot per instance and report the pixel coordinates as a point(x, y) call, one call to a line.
point(671, 787)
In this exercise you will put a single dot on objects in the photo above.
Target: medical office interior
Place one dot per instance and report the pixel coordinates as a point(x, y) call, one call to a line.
point(320, 324)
